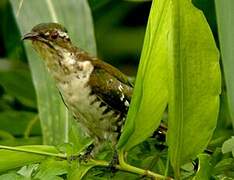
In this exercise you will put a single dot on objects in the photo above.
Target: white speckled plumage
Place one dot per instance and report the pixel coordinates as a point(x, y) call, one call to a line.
point(77, 95)
point(95, 92)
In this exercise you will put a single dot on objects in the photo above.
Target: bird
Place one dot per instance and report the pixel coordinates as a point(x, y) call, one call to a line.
point(95, 92)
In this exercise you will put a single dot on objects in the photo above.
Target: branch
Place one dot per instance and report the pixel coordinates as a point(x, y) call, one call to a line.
point(123, 166)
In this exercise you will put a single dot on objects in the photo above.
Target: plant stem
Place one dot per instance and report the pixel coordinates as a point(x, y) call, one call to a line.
point(30, 125)
point(127, 167)
point(123, 166)
point(130, 169)
point(59, 155)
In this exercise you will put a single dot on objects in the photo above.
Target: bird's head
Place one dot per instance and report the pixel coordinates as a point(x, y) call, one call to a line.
point(51, 41)
point(50, 34)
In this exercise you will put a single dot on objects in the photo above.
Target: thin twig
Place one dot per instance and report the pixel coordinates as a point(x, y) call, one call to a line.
point(20, 149)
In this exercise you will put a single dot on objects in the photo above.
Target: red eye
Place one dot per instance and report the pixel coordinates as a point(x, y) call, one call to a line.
point(54, 35)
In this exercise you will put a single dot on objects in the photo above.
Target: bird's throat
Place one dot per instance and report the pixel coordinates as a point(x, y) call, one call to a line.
point(59, 61)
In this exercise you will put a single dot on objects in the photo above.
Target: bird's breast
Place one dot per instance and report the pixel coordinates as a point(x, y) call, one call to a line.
point(88, 108)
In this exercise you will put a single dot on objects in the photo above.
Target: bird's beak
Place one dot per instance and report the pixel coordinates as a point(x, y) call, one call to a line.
point(34, 36)
point(30, 36)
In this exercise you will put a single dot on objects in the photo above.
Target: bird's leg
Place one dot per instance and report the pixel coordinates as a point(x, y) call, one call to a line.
point(83, 156)
point(87, 154)
point(114, 161)
point(91, 151)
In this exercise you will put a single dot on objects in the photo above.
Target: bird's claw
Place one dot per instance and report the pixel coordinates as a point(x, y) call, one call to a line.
point(83, 157)
point(87, 154)
point(114, 162)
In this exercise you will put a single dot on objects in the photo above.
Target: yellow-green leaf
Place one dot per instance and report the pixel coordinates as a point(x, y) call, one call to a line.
point(150, 93)
point(11, 159)
point(194, 84)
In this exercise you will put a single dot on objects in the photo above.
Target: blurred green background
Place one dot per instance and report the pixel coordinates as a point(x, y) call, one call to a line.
point(119, 30)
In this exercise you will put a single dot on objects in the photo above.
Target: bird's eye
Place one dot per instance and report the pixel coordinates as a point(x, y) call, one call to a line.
point(54, 35)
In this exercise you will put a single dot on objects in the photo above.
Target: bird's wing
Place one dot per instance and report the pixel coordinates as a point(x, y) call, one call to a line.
point(114, 90)
point(98, 64)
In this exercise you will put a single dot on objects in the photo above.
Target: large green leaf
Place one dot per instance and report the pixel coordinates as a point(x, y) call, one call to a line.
point(225, 14)
point(14, 159)
point(194, 84)
point(150, 92)
point(76, 16)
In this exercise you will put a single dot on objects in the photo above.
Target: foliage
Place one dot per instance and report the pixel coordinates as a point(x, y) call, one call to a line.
point(149, 97)
point(224, 11)
point(178, 83)
point(193, 104)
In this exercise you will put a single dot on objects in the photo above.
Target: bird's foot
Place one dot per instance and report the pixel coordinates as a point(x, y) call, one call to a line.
point(114, 162)
point(84, 156)
point(87, 155)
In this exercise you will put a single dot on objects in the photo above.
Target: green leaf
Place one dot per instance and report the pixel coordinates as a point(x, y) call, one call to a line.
point(20, 119)
point(13, 159)
point(10, 37)
point(27, 171)
point(150, 92)
point(208, 8)
point(194, 84)
point(80, 171)
point(225, 167)
point(51, 168)
point(205, 168)
point(225, 20)
point(76, 17)
point(21, 141)
point(4, 135)
point(18, 83)
point(228, 146)
point(11, 176)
